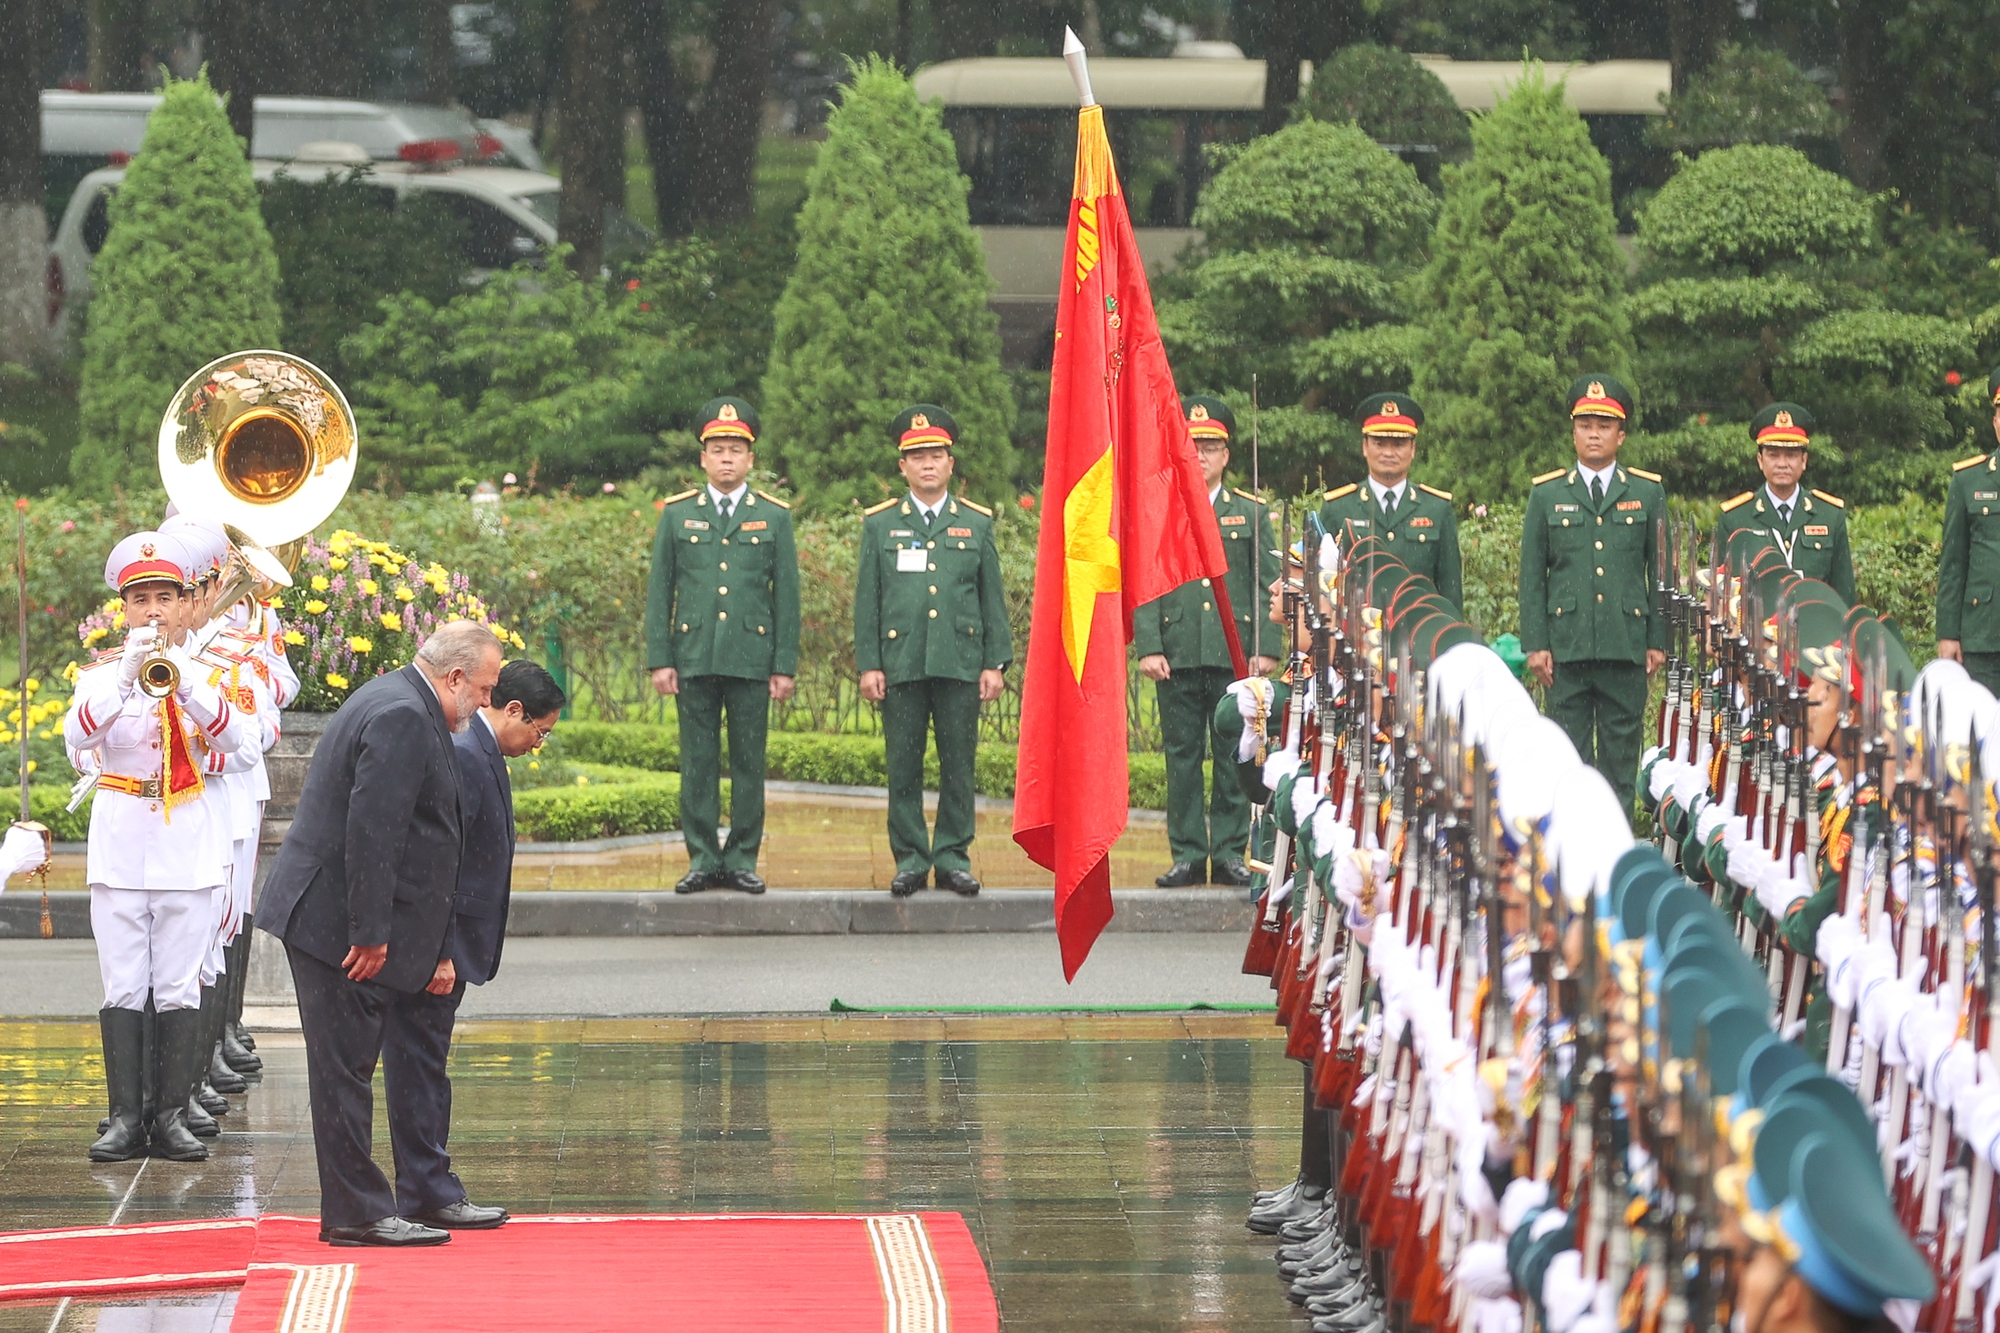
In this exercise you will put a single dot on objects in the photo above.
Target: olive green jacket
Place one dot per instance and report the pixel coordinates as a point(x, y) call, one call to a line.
point(1185, 626)
point(1424, 532)
point(1587, 571)
point(723, 599)
point(944, 615)
point(1968, 589)
point(1815, 541)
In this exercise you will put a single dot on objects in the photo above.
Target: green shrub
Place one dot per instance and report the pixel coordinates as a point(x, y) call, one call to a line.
point(187, 274)
point(635, 745)
point(1525, 282)
point(1393, 98)
point(579, 814)
point(886, 306)
point(45, 804)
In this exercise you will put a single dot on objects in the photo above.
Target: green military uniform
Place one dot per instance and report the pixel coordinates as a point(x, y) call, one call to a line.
point(1810, 530)
point(722, 609)
point(1423, 527)
point(930, 614)
point(1185, 627)
point(1587, 595)
point(1968, 589)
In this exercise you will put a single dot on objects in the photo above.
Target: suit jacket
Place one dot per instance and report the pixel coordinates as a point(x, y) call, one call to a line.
point(486, 866)
point(1815, 541)
point(1424, 530)
point(723, 595)
point(1587, 568)
point(372, 855)
point(1185, 627)
point(928, 602)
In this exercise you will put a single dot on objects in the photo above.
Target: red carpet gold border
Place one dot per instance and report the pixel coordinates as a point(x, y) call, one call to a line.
point(912, 1287)
point(317, 1300)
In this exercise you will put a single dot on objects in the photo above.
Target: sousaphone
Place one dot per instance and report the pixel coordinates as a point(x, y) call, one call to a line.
point(264, 443)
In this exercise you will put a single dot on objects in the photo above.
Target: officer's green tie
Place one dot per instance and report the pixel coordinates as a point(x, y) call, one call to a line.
point(1597, 492)
point(1389, 503)
point(1785, 515)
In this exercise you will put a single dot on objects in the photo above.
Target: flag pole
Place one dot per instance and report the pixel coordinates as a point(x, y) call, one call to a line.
point(1256, 545)
point(1079, 65)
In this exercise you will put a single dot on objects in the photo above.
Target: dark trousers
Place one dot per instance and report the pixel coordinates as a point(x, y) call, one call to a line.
point(1985, 669)
point(1187, 702)
point(1602, 706)
point(343, 1022)
point(701, 704)
point(418, 1091)
point(910, 712)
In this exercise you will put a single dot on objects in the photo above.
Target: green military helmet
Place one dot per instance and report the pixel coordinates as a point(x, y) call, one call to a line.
point(1389, 414)
point(1841, 1234)
point(1768, 1060)
point(1453, 637)
point(1783, 425)
point(1876, 640)
point(1208, 418)
point(1684, 992)
point(1822, 634)
point(1600, 395)
point(923, 426)
point(1834, 1103)
point(1740, 552)
point(1747, 981)
point(1781, 1130)
point(1642, 858)
point(728, 419)
point(1726, 1028)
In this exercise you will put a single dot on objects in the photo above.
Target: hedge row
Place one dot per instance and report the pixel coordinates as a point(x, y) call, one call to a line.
point(835, 760)
point(651, 804)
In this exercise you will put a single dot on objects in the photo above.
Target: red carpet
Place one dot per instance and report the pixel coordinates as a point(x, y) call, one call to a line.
point(900, 1272)
point(100, 1261)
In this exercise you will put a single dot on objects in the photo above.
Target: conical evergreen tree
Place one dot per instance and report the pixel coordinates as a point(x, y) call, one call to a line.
point(887, 306)
point(187, 274)
point(1524, 289)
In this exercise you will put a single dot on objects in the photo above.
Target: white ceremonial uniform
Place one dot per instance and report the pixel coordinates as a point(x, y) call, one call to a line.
point(154, 873)
point(236, 668)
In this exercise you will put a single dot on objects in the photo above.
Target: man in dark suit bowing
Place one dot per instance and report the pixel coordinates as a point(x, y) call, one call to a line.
point(523, 712)
point(361, 895)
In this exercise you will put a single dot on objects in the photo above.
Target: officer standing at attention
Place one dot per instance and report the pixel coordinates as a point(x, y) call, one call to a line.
point(1589, 622)
point(1809, 529)
point(931, 643)
point(1180, 646)
point(1418, 519)
point(722, 637)
point(1968, 591)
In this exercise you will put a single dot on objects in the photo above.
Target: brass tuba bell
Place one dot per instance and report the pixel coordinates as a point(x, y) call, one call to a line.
point(262, 442)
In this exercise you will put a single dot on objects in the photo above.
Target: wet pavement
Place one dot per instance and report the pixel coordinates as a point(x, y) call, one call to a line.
point(1103, 1162)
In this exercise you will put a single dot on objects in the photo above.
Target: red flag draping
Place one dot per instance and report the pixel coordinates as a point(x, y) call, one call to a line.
point(1125, 519)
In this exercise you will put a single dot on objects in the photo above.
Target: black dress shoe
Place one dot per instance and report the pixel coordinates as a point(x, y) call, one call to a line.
point(1180, 875)
point(388, 1231)
point(908, 882)
point(465, 1215)
point(743, 881)
point(693, 882)
point(959, 882)
point(1232, 873)
point(222, 1076)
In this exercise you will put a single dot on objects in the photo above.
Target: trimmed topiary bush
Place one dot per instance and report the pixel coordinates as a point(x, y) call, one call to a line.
point(187, 274)
point(887, 306)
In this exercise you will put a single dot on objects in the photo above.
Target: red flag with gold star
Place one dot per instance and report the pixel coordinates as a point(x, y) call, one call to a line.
point(1126, 518)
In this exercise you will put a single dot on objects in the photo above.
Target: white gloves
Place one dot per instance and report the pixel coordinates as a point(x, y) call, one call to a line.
point(138, 646)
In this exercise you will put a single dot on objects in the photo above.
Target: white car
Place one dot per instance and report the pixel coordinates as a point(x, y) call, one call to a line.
point(506, 215)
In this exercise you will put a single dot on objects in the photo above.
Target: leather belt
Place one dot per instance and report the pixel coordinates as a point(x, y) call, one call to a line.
point(144, 788)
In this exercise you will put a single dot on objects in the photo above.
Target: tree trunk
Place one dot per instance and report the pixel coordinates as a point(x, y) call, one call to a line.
point(722, 168)
point(1866, 92)
point(117, 42)
point(663, 111)
point(440, 58)
point(23, 227)
point(593, 156)
point(899, 45)
point(1285, 32)
point(235, 65)
point(1696, 30)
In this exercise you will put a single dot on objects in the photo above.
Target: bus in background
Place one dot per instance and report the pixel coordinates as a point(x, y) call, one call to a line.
point(1013, 120)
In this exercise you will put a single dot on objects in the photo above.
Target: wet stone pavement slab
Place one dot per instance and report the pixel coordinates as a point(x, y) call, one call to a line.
point(1103, 1162)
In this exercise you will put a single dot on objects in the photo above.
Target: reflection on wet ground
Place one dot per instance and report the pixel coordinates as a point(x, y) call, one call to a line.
point(1103, 1162)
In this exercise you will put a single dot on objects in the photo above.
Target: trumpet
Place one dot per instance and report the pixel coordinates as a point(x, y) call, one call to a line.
point(158, 674)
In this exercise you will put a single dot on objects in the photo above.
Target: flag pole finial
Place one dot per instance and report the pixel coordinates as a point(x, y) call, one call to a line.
point(1079, 65)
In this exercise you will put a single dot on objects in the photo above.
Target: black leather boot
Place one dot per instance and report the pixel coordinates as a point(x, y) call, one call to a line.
point(243, 1037)
point(235, 1054)
point(218, 1077)
point(179, 1054)
point(124, 1036)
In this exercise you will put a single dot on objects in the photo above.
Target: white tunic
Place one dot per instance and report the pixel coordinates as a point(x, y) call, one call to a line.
point(135, 842)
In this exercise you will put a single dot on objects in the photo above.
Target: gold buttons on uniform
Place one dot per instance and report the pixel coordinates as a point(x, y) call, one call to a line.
point(1392, 536)
point(892, 634)
point(722, 615)
point(961, 545)
point(724, 590)
point(934, 590)
point(1565, 522)
point(1600, 520)
point(725, 564)
point(760, 629)
point(1600, 597)
point(1600, 574)
point(693, 540)
point(1204, 583)
point(684, 627)
point(934, 613)
point(725, 541)
point(930, 545)
point(1204, 606)
point(1600, 546)
point(932, 568)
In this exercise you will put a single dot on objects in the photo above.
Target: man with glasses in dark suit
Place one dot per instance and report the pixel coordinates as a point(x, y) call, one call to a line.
point(526, 704)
